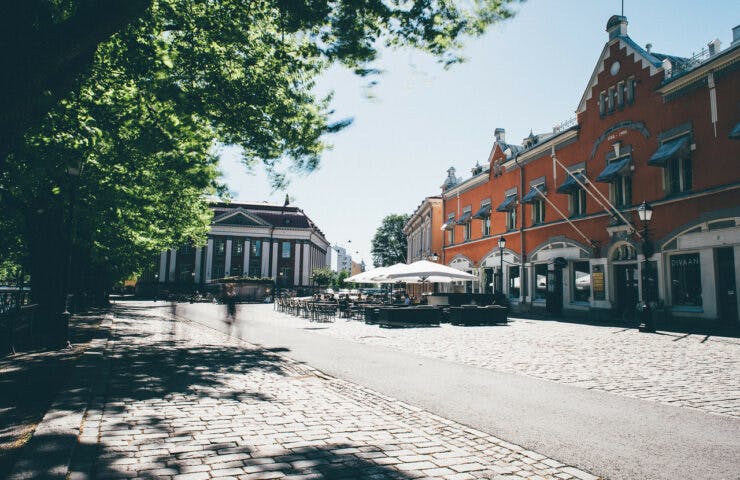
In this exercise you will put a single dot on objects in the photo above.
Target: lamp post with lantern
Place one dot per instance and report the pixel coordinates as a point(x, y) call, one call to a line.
point(645, 212)
point(501, 246)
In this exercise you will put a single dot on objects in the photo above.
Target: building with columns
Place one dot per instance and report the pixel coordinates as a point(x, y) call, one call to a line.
point(256, 240)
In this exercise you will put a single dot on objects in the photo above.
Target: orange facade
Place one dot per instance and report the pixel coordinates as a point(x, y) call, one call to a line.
point(650, 127)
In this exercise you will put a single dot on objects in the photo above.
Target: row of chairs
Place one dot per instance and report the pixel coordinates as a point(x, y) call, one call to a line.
point(314, 311)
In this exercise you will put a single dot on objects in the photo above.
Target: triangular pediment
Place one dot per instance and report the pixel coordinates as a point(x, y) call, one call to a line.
point(239, 217)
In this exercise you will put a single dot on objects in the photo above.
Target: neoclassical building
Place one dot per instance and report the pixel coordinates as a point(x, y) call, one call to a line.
point(649, 127)
point(257, 240)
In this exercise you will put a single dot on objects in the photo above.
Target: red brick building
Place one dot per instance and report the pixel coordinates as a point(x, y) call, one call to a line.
point(649, 127)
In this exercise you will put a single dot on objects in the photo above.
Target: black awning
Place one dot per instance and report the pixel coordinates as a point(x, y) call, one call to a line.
point(534, 194)
point(668, 150)
point(570, 185)
point(449, 225)
point(615, 169)
point(464, 218)
point(485, 211)
point(508, 204)
point(735, 133)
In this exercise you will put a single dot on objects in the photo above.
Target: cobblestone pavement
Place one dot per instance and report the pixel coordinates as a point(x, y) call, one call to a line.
point(694, 371)
point(185, 402)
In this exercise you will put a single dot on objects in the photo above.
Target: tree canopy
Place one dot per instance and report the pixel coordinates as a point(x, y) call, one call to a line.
point(109, 120)
point(389, 243)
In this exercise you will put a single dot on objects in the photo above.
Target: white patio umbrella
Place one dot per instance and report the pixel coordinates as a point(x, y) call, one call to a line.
point(424, 270)
point(385, 275)
point(365, 277)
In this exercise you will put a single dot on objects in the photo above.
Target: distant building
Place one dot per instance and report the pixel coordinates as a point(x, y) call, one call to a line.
point(424, 234)
point(357, 268)
point(256, 240)
point(338, 260)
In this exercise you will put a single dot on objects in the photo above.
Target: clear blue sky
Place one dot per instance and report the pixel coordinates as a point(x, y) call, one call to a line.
point(526, 73)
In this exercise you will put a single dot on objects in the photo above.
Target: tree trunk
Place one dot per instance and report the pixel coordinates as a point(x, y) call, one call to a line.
point(48, 247)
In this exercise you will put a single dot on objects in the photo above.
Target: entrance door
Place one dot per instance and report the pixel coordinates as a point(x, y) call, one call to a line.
point(487, 280)
point(554, 303)
point(625, 282)
point(726, 288)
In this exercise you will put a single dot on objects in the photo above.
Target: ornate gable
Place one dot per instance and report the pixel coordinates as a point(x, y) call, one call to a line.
point(617, 28)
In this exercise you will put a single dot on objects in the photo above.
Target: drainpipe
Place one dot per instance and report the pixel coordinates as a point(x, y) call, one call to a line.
point(522, 253)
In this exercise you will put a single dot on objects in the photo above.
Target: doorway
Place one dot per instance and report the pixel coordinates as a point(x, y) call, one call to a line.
point(726, 288)
point(554, 303)
point(625, 283)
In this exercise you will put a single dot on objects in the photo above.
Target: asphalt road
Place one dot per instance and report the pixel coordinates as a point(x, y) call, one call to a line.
point(611, 436)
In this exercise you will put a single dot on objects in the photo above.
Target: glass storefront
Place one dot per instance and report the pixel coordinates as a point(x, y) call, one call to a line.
point(581, 281)
point(540, 281)
point(685, 270)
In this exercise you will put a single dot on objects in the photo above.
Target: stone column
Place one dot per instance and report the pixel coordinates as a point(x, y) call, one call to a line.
point(173, 260)
point(197, 264)
point(245, 267)
point(162, 266)
point(274, 260)
point(297, 268)
point(209, 260)
point(306, 258)
point(227, 266)
point(265, 259)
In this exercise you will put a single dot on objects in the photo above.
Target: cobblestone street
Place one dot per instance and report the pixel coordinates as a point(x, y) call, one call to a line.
point(183, 401)
point(694, 371)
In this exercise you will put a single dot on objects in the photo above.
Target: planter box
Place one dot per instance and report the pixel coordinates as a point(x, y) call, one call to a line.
point(410, 317)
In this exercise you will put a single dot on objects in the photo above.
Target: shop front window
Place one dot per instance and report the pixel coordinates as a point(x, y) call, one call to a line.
point(514, 282)
point(540, 281)
point(255, 259)
point(686, 280)
point(581, 282)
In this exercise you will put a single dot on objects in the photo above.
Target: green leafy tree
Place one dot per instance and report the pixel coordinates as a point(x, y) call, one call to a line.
point(389, 243)
point(53, 43)
point(338, 280)
point(109, 120)
point(323, 277)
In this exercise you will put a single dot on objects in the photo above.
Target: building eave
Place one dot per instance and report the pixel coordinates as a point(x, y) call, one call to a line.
point(720, 60)
point(537, 152)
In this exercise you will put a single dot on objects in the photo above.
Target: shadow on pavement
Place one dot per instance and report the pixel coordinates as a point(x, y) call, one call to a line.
point(30, 381)
point(150, 431)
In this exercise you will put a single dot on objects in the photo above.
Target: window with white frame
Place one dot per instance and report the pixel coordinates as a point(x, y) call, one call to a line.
point(678, 174)
point(538, 211)
point(577, 202)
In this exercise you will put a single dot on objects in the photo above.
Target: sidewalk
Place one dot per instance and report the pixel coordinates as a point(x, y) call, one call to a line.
point(185, 402)
point(32, 379)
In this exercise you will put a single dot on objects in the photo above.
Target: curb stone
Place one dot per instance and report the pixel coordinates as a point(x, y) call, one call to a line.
point(49, 452)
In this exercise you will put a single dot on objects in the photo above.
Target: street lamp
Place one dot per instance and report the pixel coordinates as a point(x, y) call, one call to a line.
point(501, 246)
point(645, 212)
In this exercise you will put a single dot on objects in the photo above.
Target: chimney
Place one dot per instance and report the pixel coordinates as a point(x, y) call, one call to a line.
point(616, 26)
point(649, 47)
point(287, 200)
point(500, 135)
point(714, 47)
point(735, 35)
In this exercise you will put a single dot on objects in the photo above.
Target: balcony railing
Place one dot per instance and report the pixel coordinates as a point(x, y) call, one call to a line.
point(563, 126)
point(693, 61)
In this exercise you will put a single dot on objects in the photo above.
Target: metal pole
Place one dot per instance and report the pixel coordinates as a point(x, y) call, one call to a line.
point(501, 272)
